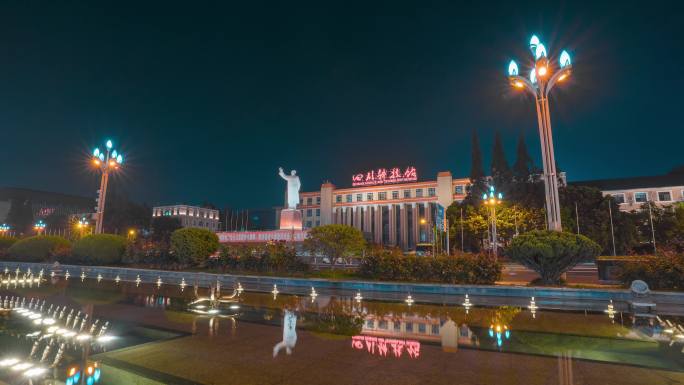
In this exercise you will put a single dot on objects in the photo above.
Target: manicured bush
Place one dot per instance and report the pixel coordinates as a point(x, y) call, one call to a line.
point(270, 258)
point(551, 253)
point(665, 271)
point(5, 244)
point(335, 242)
point(393, 265)
point(99, 249)
point(193, 246)
point(40, 248)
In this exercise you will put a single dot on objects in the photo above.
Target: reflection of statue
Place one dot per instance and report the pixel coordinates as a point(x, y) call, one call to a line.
point(289, 334)
point(293, 185)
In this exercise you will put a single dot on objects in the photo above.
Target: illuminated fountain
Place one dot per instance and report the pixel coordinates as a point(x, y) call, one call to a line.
point(216, 304)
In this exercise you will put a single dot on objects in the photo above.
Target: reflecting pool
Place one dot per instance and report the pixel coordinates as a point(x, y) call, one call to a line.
point(159, 333)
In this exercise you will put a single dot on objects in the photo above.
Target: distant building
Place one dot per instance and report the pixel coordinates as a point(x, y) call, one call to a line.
point(391, 206)
point(190, 216)
point(43, 204)
point(632, 193)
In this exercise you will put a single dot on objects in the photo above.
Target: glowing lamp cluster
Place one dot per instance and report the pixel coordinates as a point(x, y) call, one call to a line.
point(492, 198)
point(108, 158)
point(542, 74)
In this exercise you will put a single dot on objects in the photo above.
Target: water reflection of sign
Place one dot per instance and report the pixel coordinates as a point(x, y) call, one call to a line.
point(386, 346)
point(385, 176)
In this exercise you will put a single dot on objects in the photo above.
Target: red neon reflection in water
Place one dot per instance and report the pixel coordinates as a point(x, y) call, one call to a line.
point(385, 176)
point(381, 346)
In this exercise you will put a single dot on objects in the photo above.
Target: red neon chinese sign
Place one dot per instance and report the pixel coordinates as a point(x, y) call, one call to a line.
point(385, 176)
point(386, 346)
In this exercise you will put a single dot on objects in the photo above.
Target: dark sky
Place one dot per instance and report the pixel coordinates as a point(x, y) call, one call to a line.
point(206, 99)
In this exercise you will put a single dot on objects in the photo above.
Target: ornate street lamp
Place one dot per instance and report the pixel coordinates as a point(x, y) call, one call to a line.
point(4, 229)
point(106, 161)
point(39, 227)
point(543, 77)
point(82, 225)
point(492, 199)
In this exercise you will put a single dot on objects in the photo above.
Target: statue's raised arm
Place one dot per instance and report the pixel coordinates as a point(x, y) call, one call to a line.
point(293, 185)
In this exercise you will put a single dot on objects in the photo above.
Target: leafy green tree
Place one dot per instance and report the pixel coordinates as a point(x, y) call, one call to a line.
point(591, 207)
point(40, 248)
point(501, 173)
point(527, 188)
point(478, 179)
point(99, 249)
point(335, 242)
point(20, 215)
point(122, 214)
point(193, 245)
point(163, 227)
point(551, 253)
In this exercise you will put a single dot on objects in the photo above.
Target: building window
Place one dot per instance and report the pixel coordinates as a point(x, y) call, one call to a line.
point(308, 223)
point(619, 198)
point(369, 196)
point(419, 193)
point(640, 197)
point(349, 198)
point(397, 326)
point(382, 324)
point(409, 327)
point(459, 189)
point(338, 198)
point(308, 212)
point(359, 197)
point(664, 196)
point(421, 328)
point(382, 195)
point(318, 212)
point(318, 223)
point(431, 191)
point(318, 200)
point(435, 329)
point(407, 193)
point(370, 324)
point(308, 201)
point(395, 194)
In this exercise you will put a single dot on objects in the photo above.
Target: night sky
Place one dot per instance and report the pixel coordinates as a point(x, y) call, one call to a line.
point(206, 100)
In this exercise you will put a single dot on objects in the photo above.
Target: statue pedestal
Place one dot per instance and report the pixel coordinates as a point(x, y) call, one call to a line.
point(290, 219)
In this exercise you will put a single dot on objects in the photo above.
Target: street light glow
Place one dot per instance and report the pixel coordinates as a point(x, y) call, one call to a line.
point(109, 144)
point(540, 51)
point(534, 42)
point(542, 71)
point(96, 153)
point(564, 59)
point(512, 68)
point(533, 77)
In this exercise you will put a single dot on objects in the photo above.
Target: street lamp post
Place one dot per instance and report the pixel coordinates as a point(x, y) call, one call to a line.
point(4, 229)
point(106, 161)
point(82, 225)
point(543, 77)
point(39, 227)
point(492, 199)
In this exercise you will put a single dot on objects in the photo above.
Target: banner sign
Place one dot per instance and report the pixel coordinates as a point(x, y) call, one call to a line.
point(385, 176)
point(262, 236)
point(440, 218)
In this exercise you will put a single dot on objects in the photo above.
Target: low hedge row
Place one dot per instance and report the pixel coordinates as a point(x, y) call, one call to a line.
point(664, 271)
point(393, 265)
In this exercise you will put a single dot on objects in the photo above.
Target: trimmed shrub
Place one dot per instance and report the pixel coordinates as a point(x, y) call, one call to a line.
point(40, 248)
point(99, 249)
point(393, 265)
point(664, 271)
point(271, 258)
point(5, 244)
point(193, 246)
point(551, 253)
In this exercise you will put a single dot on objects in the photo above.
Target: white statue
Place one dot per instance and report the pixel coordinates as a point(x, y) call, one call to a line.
point(293, 185)
point(289, 334)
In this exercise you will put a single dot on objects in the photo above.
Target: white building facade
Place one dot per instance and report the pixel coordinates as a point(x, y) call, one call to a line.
point(632, 193)
point(393, 214)
point(190, 216)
